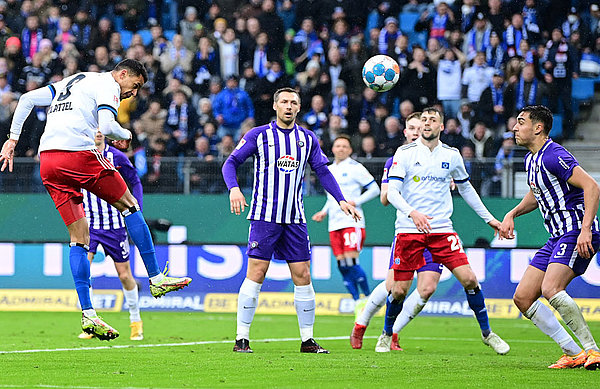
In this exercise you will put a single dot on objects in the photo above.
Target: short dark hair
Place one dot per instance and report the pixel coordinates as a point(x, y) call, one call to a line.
point(346, 137)
point(434, 110)
point(134, 67)
point(540, 114)
point(414, 115)
point(285, 89)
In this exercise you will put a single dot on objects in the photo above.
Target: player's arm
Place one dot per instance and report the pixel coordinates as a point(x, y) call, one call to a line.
point(129, 173)
point(245, 148)
point(366, 180)
point(41, 97)
point(320, 215)
point(469, 194)
point(108, 125)
point(383, 195)
point(527, 204)
point(591, 195)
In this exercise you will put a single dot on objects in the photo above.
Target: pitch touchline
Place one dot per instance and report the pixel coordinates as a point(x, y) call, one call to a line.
point(268, 340)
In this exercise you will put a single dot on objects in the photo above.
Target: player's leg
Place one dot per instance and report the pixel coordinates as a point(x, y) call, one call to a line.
point(340, 245)
point(375, 301)
point(130, 291)
point(359, 273)
point(394, 302)
point(90, 256)
point(293, 245)
point(427, 281)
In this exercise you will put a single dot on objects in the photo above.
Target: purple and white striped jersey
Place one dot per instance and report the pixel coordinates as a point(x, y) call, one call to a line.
point(100, 214)
point(279, 165)
point(560, 203)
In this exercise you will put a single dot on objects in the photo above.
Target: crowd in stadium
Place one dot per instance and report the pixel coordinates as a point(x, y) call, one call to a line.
point(214, 66)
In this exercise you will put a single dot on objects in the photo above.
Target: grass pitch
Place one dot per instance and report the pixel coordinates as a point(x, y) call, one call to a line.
point(193, 350)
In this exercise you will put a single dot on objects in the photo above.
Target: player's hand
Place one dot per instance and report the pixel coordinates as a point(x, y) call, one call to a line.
point(237, 201)
point(7, 154)
point(495, 224)
point(507, 228)
point(421, 221)
point(319, 216)
point(122, 145)
point(353, 203)
point(349, 210)
point(584, 243)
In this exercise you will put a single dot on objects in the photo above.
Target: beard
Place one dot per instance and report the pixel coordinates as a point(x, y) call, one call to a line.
point(429, 137)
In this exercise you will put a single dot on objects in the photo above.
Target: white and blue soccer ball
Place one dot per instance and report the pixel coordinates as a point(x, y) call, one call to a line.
point(381, 73)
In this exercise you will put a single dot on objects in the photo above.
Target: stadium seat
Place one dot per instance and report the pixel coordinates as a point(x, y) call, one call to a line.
point(583, 90)
point(169, 34)
point(557, 126)
point(408, 21)
point(126, 38)
point(146, 36)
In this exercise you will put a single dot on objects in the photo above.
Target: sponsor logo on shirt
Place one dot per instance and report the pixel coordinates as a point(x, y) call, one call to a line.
point(536, 191)
point(287, 164)
point(429, 178)
point(242, 143)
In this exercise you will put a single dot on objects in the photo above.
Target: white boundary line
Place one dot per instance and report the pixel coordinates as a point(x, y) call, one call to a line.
point(268, 340)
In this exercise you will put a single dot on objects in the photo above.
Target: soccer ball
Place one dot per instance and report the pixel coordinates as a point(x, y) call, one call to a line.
point(381, 73)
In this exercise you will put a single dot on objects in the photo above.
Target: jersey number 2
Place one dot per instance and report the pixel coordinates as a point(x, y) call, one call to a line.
point(67, 91)
point(455, 243)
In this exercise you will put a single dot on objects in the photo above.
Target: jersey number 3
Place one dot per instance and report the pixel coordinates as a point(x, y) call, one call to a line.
point(67, 92)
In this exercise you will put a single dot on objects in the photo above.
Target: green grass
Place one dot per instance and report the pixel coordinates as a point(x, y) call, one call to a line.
point(439, 352)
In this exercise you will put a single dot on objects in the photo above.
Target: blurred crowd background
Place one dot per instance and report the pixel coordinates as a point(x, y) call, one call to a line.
point(214, 65)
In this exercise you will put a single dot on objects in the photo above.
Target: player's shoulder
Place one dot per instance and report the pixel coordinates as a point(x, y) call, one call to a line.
point(450, 149)
point(407, 146)
point(255, 131)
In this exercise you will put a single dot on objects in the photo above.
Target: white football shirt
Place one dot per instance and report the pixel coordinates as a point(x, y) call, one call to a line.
point(426, 177)
point(352, 177)
point(72, 120)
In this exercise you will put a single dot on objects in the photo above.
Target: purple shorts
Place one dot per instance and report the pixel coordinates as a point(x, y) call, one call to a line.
point(429, 264)
point(562, 249)
point(281, 241)
point(114, 242)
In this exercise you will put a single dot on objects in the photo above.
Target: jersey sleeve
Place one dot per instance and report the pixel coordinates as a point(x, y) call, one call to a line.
point(560, 163)
point(247, 146)
point(363, 177)
point(459, 172)
point(386, 170)
point(57, 87)
point(397, 170)
point(107, 97)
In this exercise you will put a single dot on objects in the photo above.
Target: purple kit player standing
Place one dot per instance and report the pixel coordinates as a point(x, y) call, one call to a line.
point(281, 150)
point(568, 200)
point(107, 228)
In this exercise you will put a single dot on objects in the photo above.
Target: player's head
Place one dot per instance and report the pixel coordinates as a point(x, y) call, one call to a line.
point(432, 121)
point(99, 139)
point(286, 103)
point(130, 75)
point(342, 147)
point(534, 121)
point(412, 130)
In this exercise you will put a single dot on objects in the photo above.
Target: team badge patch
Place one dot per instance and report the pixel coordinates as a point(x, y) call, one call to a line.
point(445, 165)
point(300, 143)
point(287, 164)
point(253, 244)
point(397, 261)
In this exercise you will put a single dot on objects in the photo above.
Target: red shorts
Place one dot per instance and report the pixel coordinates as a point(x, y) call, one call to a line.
point(445, 248)
point(347, 239)
point(65, 173)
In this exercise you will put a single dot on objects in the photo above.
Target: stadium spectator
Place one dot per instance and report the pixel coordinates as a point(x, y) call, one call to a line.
point(449, 81)
point(418, 81)
point(437, 23)
point(31, 36)
point(393, 137)
point(35, 72)
point(478, 38)
point(363, 130)
point(272, 24)
point(181, 124)
point(490, 108)
point(316, 118)
point(231, 107)
point(388, 35)
point(528, 90)
point(368, 148)
point(575, 24)
point(205, 64)
point(229, 50)
point(452, 135)
point(176, 60)
point(476, 78)
point(305, 44)
point(497, 16)
point(187, 27)
point(532, 19)
point(151, 124)
point(132, 12)
point(494, 53)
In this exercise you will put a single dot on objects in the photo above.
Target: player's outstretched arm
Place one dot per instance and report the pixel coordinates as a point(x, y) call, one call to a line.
point(527, 204)
point(108, 126)
point(349, 210)
point(591, 196)
point(7, 154)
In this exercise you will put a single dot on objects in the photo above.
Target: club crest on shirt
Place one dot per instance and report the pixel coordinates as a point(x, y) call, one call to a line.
point(445, 165)
point(397, 261)
point(300, 143)
point(287, 164)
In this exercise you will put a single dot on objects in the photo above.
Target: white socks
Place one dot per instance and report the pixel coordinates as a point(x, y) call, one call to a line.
point(374, 303)
point(132, 300)
point(157, 279)
point(247, 303)
point(304, 301)
point(544, 319)
point(411, 308)
point(571, 315)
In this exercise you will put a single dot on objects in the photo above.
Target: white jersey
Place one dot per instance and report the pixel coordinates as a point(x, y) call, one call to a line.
point(73, 114)
point(352, 178)
point(426, 177)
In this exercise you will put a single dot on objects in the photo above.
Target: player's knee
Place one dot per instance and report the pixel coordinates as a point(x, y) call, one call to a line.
point(522, 302)
point(549, 290)
point(426, 291)
point(124, 278)
point(470, 282)
point(399, 291)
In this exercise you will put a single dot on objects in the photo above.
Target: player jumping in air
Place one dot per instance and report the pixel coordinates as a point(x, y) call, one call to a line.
point(281, 150)
point(568, 200)
point(79, 105)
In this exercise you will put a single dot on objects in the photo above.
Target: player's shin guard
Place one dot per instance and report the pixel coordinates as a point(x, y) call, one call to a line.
point(393, 309)
point(132, 302)
point(477, 303)
point(374, 303)
point(80, 269)
point(349, 281)
point(247, 303)
point(571, 315)
point(543, 318)
point(140, 235)
point(413, 305)
point(304, 301)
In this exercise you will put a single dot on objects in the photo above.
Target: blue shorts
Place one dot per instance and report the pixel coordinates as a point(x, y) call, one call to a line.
point(429, 264)
point(562, 249)
point(114, 242)
point(283, 241)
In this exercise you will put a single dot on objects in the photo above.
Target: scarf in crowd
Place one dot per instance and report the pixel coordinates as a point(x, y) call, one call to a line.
point(180, 120)
point(494, 56)
point(530, 18)
point(83, 33)
point(485, 41)
point(438, 26)
point(338, 103)
point(521, 102)
point(498, 99)
point(30, 41)
point(569, 28)
point(178, 71)
point(273, 76)
point(513, 37)
point(304, 38)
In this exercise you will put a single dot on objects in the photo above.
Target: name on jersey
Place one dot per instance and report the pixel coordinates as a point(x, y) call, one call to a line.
point(287, 164)
point(60, 107)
